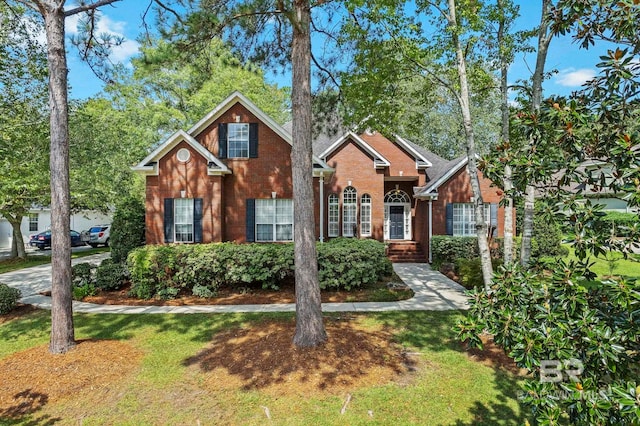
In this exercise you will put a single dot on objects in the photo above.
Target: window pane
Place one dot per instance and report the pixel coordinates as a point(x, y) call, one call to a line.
point(238, 140)
point(183, 219)
point(334, 216)
point(284, 232)
point(349, 211)
point(264, 232)
point(274, 215)
point(365, 215)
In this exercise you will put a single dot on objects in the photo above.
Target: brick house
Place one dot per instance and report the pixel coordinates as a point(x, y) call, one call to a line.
point(228, 178)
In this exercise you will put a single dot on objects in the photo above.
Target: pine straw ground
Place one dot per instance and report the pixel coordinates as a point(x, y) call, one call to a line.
point(258, 356)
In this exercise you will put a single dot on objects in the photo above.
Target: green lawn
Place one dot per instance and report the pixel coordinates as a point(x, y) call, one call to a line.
point(614, 264)
point(449, 388)
point(41, 259)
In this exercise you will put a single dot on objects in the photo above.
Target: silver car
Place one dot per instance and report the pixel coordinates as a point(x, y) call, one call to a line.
point(99, 235)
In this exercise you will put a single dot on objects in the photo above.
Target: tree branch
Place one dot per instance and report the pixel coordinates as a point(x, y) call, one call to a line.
point(165, 7)
point(87, 7)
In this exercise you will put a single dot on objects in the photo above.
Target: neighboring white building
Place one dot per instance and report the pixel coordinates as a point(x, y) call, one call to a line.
point(39, 219)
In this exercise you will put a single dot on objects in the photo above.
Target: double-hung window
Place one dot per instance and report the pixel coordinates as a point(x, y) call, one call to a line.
point(183, 220)
point(274, 220)
point(464, 219)
point(33, 222)
point(238, 140)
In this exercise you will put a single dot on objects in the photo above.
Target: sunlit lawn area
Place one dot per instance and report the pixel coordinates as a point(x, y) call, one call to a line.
point(614, 264)
point(41, 259)
point(448, 386)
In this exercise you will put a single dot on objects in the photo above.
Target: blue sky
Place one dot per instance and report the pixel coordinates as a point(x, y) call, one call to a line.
point(574, 65)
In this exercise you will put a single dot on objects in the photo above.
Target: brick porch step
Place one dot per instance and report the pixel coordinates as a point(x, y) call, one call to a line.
point(406, 252)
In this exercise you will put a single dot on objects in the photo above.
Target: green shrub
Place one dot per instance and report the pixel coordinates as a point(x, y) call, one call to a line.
point(127, 228)
point(82, 274)
point(110, 275)
point(9, 297)
point(347, 263)
point(82, 291)
point(167, 271)
point(469, 272)
point(445, 248)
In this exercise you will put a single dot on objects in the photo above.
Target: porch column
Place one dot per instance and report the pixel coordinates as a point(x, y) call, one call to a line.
point(322, 207)
point(430, 228)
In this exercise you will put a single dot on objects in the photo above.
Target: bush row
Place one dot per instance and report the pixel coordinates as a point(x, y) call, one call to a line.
point(201, 269)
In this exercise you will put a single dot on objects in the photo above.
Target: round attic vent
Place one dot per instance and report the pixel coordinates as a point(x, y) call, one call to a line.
point(183, 155)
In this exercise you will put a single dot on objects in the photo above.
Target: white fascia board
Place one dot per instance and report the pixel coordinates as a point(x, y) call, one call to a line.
point(415, 153)
point(168, 145)
point(433, 188)
point(378, 159)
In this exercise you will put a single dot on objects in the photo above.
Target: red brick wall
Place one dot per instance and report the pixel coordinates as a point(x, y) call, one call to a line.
point(353, 164)
point(224, 197)
point(173, 178)
point(456, 190)
point(400, 159)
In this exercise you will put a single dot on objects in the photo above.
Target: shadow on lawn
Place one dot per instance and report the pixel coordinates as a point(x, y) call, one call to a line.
point(26, 404)
point(433, 331)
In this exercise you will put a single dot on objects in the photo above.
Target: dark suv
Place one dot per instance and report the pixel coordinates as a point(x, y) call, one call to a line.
point(99, 235)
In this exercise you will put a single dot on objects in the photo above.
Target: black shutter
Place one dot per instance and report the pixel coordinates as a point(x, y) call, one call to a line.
point(197, 220)
point(494, 219)
point(251, 220)
point(168, 220)
point(253, 140)
point(222, 140)
point(449, 223)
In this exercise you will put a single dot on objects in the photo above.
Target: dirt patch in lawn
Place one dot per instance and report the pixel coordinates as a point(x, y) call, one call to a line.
point(494, 356)
point(263, 357)
point(18, 311)
point(34, 378)
point(387, 290)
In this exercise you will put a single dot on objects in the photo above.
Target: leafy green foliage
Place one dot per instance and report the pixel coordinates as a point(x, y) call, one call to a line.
point(111, 275)
point(447, 249)
point(83, 280)
point(127, 228)
point(347, 263)
point(563, 317)
point(9, 297)
point(166, 271)
point(469, 271)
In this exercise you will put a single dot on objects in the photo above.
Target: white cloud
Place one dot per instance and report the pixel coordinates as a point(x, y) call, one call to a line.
point(571, 77)
point(105, 25)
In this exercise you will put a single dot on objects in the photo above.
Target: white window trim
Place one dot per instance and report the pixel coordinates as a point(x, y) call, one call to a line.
point(407, 214)
point(35, 216)
point(229, 140)
point(365, 215)
point(349, 229)
point(274, 223)
point(472, 222)
point(176, 201)
point(333, 225)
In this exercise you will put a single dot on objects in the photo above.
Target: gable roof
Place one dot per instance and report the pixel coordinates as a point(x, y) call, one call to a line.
point(237, 97)
point(378, 159)
point(441, 172)
point(421, 160)
point(149, 165)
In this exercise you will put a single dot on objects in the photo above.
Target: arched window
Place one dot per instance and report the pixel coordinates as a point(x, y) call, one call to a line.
point(397, 196)
point(349, 211)
point(365, 215)
point(334, 215)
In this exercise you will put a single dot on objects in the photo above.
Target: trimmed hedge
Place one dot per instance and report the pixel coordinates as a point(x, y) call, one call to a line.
point(9, 297)
point(201, 269)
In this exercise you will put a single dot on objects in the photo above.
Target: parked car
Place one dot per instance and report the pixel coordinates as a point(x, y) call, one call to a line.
point(99, 235)
point(43, 240)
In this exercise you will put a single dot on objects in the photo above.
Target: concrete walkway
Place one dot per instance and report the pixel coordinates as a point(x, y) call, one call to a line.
point(433, 292)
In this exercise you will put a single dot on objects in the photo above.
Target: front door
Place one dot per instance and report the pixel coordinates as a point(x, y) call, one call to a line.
point(396, 222)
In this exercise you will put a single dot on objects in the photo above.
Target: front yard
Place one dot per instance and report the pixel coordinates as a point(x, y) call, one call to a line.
point(383, 368)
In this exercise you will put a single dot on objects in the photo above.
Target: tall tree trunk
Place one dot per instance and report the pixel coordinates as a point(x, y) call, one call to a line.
point(62, 331)
point(504, 106)
point(17, 242)
point(544, 38)
point(472, 166)
point(309, 326)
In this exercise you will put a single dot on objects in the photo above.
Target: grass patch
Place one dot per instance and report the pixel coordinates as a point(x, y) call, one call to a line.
point(10, 265)
point(613, 264)
point(447, 385)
